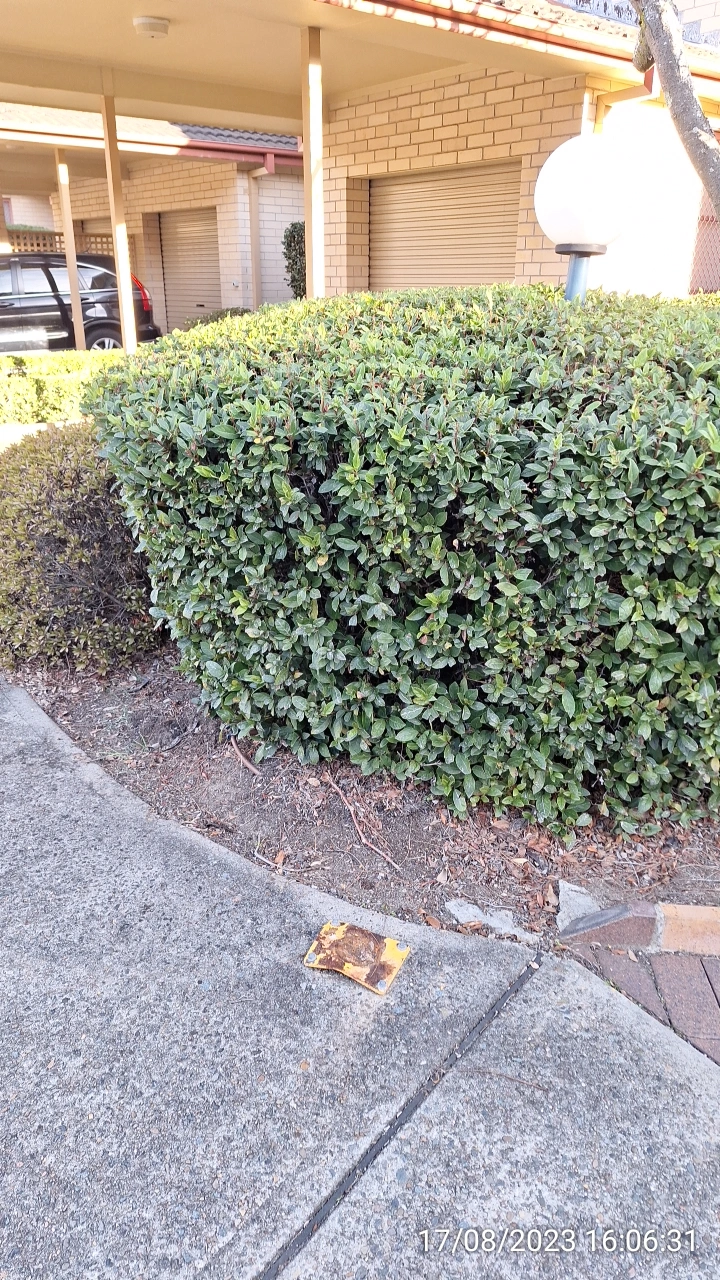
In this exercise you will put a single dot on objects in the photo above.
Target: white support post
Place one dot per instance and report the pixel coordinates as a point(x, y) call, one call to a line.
point(5, 246)
point(312, 107)
point(63, 181)
point(254, 209)
point(119, 227)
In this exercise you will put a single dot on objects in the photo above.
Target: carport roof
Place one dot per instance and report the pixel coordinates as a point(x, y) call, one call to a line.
point(28, 135)
point(31, 120)
point(236, 63)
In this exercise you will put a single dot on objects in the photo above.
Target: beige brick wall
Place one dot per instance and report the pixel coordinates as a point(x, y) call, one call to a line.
point(466, 118)
point(280, 201)
point(31, 211)
point(147, 192)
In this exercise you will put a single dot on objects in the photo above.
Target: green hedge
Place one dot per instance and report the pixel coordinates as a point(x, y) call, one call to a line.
point(212, 317)
point(72, 588)
point(294, 252)
point(47, 386)
point(471, 537)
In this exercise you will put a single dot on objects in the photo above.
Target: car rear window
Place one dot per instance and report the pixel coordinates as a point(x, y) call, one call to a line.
point(93, 277)
point(88, 278)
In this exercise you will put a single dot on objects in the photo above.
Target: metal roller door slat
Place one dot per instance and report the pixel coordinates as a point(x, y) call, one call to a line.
point(452, 227)
point(191, 264)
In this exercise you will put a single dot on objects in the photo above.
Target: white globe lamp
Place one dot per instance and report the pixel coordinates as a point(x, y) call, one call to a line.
point(579, 203)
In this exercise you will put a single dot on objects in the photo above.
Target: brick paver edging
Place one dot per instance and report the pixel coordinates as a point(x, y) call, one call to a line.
point(644, 926)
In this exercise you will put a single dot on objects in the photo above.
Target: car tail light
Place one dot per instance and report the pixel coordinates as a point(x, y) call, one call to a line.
point(147, 305)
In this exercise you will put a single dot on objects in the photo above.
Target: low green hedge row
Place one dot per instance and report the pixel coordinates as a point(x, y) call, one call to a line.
point(211, 317)
point(72, 587)
point(47, 386)
point(471, 537)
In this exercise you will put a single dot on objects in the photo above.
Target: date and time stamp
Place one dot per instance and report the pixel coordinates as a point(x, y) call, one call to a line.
point(557, 1240)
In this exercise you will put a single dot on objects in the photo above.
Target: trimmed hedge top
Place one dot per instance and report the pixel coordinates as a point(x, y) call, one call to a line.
point(47, 386)
point(471, 537)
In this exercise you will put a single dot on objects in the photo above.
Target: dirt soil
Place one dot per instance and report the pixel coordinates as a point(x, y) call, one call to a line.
point(373, 841)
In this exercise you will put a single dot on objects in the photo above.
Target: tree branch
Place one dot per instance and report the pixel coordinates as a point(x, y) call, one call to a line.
point(661, 32)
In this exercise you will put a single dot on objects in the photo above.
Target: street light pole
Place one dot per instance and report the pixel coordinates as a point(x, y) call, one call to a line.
point(578, 267)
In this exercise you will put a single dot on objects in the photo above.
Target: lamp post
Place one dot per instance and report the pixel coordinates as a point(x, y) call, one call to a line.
point(579, 196)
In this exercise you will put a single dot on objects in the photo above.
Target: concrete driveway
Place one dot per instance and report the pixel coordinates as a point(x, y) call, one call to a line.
point(181, 1097)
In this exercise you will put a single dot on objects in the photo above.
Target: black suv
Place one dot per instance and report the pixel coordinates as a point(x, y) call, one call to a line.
point(35, 311)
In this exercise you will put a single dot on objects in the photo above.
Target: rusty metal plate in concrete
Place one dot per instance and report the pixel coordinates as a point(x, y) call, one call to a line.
point(366, 957)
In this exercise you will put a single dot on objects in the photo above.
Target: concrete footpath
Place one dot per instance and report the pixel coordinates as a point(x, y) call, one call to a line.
point(180, 1097)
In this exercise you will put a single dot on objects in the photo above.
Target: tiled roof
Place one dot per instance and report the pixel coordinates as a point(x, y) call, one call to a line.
point(241, 137)
point(622, 11)
point(612, 10)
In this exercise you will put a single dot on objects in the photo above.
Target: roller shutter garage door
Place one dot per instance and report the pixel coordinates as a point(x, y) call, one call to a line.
point(454, 227)
point(191, 264)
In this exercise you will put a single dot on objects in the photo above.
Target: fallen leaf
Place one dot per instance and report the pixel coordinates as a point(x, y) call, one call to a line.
point(280, 858)
point(550, 896)
point(434, 924)
point(313, 782)
point(442, 877)
point(517, 873)
point(633, 956)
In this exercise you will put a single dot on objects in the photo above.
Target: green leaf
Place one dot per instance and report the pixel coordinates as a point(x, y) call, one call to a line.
point(568, 702)
point(655, 680)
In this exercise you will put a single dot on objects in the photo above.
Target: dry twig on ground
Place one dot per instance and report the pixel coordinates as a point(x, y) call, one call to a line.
point(368, 843)
point(243, 759)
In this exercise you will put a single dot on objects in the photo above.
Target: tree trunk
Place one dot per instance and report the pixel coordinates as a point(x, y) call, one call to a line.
point(661, 30)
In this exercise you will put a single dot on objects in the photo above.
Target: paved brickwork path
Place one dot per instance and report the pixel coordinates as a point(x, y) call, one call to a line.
point(683, 991)
point(181, 1097)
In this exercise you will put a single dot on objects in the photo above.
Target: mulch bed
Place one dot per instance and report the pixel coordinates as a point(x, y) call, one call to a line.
point(373, 841)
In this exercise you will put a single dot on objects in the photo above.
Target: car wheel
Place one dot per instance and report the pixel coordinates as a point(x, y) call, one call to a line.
point(104, 340)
